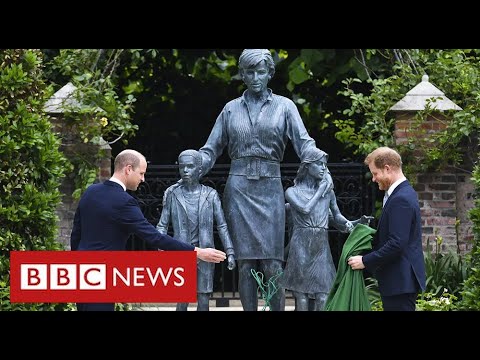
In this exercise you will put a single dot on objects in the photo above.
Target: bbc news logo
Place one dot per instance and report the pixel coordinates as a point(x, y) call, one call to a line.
point(103, 276)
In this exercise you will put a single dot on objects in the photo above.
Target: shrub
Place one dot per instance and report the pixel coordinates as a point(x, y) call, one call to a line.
point(444, 271)
point(432, 302)
point(371, 285)
point(31, 167)
point(471, 288)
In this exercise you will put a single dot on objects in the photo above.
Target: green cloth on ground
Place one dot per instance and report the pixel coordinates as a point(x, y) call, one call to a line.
point(348, 292)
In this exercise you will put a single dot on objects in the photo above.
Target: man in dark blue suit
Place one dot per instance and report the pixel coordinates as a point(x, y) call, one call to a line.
point(397, 258)
point(107, 215)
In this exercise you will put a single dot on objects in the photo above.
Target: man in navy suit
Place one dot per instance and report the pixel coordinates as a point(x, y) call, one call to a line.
point(397, 258)
point(107, 215)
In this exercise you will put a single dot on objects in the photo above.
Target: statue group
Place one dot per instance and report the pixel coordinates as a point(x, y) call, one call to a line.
point(255, 129)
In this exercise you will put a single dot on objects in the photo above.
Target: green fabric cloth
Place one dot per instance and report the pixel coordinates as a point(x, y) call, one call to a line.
point(348, 292)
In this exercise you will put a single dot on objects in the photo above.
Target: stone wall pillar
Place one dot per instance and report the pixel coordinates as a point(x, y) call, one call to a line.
point(445, 197)
point(72, 145)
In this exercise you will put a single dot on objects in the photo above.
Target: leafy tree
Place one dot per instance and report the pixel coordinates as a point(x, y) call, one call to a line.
point(103, 116)
point(367, 123)
point(31, 166)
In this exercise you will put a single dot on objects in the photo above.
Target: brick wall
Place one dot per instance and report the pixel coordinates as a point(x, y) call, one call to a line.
point(406, 126)
point(445, 198)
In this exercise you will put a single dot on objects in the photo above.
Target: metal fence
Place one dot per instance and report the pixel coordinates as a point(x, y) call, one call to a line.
point(355, 197)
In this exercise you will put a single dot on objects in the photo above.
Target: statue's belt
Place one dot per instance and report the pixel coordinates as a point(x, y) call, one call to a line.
point(254, 168)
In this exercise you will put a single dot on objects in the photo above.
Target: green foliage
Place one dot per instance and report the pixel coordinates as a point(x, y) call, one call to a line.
point(324, 66)
point(377, 127)
point(444, 271)
point(471, 289)
point(368, 123)
point(314, 77)
point(103, 116)
point(371, 284)
point(31, 167)
point(213, 66)
point(123, 307)
point(434, 302)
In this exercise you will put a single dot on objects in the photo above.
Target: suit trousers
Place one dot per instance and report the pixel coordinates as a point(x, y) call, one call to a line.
point(401, 302)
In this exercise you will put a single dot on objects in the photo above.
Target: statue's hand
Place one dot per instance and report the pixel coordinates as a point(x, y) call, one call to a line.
point(327, 179)
point(362, 220)
point(349, 226)
point(231, 262)
point(366, 219)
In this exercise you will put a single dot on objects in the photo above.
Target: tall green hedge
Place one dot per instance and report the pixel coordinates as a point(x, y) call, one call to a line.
point(31, 166)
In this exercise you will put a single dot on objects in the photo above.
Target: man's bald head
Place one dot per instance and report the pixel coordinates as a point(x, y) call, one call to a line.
point(128, 157)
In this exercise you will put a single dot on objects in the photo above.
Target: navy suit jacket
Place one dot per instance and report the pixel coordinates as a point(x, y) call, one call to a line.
point(107, 215)
point(397, 260)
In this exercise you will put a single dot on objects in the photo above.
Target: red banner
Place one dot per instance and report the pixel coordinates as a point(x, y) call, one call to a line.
point(103, 276)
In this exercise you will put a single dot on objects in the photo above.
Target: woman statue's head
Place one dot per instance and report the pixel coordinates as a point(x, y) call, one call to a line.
point(251, 57)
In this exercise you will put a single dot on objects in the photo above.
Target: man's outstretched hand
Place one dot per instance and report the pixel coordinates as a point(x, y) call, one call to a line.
point(210, 255)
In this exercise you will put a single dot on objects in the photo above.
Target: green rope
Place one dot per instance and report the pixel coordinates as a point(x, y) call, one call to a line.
point(268, 289)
